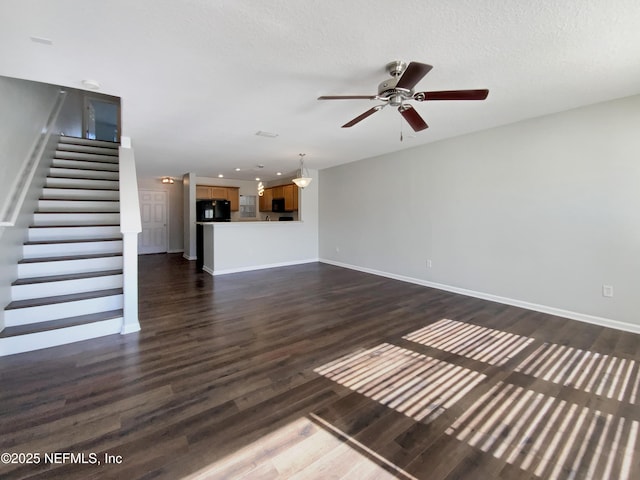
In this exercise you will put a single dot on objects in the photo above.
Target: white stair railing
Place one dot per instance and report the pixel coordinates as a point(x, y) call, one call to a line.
point(130, 226)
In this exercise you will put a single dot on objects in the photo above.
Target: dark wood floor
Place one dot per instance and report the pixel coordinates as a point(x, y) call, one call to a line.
point(314, 371)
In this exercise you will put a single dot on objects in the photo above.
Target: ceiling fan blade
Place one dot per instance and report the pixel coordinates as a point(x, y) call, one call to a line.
point(453, 95)
point(412, 117)
point(413, 74)
point(347, 97)
point(359, 118)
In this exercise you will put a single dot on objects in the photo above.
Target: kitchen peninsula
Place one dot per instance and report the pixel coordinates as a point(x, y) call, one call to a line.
point(252, 243)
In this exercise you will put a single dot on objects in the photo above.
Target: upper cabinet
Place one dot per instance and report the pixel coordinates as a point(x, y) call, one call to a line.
point(265, 200)
point(289, 192)
point(203, 192)
point(207, 192)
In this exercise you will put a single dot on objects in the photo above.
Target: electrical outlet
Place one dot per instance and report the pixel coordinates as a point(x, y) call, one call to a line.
point(607, 290)
point(429, 263)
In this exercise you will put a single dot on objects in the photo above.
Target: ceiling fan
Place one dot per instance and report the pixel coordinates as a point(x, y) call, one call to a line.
point(399, 89)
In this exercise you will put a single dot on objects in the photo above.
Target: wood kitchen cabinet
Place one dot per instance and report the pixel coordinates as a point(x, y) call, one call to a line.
point(278, 192)
point(207, 192)
point(290, 193)
point(265, 200)
point(203, 192)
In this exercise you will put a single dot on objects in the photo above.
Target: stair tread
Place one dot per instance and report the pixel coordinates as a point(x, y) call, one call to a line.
point(72, 297)
point(71, 139)
point(75, 212)
point(77, 226)
point(60, 323)
point(63, 177)
point(62, 278)
point(77, 167)
point(76, 240)
point(80, 189)
point(69, 257)
point(78, 199)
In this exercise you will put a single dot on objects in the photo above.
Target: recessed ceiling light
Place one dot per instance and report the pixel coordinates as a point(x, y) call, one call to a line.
point(44, 41)
point(237, 169)
point(278, 173)
point(260, 133)
point(220, 175)
point(91, 84)
point(257, 179)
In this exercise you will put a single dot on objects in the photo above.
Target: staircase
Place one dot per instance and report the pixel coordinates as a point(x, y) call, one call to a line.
point(69, 285)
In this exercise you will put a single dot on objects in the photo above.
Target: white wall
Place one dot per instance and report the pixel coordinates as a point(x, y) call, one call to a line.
point(24, 109)
point(70, 118)
point(175, 210)
point(189, 215)
point(540, 213)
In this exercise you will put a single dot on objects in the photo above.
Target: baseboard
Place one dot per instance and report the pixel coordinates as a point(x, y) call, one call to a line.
point(207, 269)
point(581, 317)
point(176, 250)
point(187, 257)
point(261, 267)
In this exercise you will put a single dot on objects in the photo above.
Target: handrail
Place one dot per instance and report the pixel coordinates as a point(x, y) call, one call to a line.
point(21, 184)
point(130, 227)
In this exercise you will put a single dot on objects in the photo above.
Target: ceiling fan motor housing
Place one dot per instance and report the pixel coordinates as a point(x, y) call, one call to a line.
point(395, 96)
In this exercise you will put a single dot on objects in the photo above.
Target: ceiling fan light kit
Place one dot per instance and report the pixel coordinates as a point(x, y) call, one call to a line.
point(399, 89)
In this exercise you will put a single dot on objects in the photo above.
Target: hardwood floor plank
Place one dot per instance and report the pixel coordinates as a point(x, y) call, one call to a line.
point(282, 373)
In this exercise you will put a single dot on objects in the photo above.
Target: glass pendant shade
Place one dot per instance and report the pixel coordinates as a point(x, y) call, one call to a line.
point(303, 180)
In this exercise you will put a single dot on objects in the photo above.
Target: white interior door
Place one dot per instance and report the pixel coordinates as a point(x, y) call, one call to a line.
point(153, 212)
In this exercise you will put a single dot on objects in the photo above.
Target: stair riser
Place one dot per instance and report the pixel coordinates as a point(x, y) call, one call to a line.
point(63, 249)
point(63, 267)
point(61, 336)
point(77, 173)
point(52, 219)
point(64, 141)
point(70, 147)
point(77, 194)
point(66, 287)
point(44, 313)
point(86, 165)
point(77, 206)
point(85, 156)
point(72, 233)
point(53, 182)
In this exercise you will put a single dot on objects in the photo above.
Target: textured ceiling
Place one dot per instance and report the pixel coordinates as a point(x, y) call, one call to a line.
point(198, 78)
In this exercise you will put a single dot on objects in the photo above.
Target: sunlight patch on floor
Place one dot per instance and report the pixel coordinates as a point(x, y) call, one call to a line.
point(592, 372)
point(302, 450)
point(551, 438)
point(494, 347)
point(416, 385)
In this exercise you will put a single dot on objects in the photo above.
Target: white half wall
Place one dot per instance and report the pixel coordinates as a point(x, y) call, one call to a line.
point(540, 213)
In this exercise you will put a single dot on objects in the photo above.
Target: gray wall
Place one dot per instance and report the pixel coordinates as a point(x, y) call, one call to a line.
point(540, 213)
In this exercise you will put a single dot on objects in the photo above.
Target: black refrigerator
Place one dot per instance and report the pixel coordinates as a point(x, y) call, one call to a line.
point(213, 211)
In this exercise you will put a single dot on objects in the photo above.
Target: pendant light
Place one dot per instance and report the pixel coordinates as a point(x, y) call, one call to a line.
point(302, 181)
